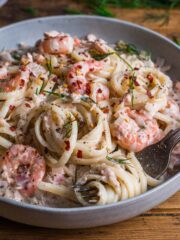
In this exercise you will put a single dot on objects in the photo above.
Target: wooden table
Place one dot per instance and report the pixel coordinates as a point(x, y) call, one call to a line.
point(162, 222)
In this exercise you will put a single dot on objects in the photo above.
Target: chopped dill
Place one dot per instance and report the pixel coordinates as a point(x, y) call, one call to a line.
point(119, 160)
point(87, 99)
point(72, 11)
point(131, 49)
point(68, 128)
point(31, 10)
point(64, 96)
point(98, 56)
point(49, 66)
point(163, 18)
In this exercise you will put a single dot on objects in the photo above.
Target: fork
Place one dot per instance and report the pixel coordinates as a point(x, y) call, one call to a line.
point(155, 158)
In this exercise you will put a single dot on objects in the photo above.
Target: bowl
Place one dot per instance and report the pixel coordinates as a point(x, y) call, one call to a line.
point(111, 30)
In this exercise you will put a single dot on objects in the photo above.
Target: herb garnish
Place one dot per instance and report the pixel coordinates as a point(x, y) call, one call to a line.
point(119, 160)
point(87, 99)
point(99, 57)
point(68, 128)
point(131, 88)
point(130, 48)
point(163, 18)
point(16, 56)
point(31, 10)
point(72, 11)
point(64, 96)
point(49, 66)
point(175, 39)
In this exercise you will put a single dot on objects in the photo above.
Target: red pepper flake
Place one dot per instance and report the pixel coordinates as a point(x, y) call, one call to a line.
point(113, 104)
point(11, 107)
point(106, 110)
point(70, 75)
point(91, 69)
point(150, 77)
point(22, 82)
point(99, 90)
point(55, 79)
point(79, 154)
point(23, 68)
point(88, 88)
point(79, 83)
point(12, 128)
point(126, 76)
point(67, 145)
point(27, 105)
point(136, 83)
point(149, 94)
point(136, 68)
point(79, 66)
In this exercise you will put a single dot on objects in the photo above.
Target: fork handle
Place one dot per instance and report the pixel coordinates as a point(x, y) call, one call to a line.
point(171, 139)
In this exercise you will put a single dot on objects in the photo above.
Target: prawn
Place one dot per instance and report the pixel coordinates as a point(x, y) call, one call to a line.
point(23, 167)
point(134, 130)
point(76, 77)
point(56, 43)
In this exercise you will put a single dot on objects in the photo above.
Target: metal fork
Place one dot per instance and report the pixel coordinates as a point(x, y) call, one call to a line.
point(155, 158)
point(89, 194)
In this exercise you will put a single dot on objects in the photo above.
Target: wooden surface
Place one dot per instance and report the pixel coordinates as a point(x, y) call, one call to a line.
point(162, 222)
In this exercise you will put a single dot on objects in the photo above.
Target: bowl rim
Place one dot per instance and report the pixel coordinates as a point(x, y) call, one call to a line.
point(109, 19)
point(108, 206)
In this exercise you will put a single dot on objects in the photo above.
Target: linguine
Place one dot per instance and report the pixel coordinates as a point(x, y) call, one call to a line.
point(73, 112)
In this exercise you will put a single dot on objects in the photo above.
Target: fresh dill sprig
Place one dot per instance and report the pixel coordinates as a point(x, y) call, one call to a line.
point(100, 56)
point(68, 128)
point(163, 18)
point(72, 11)
point(118, 160)
point(103, 10)
point(131, 88)
point(131, 49)
point(49, 66)
point(176, 40)
point(31, 10)
point(127, 48)
point(64, 96)
point(44, 84)
point(87, 99)
point(135, 3)
point(16, 56)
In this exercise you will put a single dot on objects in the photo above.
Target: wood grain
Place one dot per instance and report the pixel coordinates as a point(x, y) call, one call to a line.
point(162, 222)
point(143, 227)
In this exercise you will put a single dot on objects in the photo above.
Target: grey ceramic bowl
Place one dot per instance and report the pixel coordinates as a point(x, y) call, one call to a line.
point(110, 30)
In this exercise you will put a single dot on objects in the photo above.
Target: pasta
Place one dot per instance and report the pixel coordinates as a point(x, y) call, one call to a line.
point(73, 113)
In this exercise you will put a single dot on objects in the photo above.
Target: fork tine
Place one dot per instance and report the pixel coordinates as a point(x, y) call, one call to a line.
point(89, 195)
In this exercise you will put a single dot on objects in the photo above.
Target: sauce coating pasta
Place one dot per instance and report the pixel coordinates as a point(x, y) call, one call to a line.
point(73, 113)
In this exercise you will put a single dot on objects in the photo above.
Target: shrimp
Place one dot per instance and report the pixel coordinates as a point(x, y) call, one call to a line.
point(99, 92)
point(56, 43)
point(18, 81)
point(76, 77)
point(23, 168)
point(134, 130)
